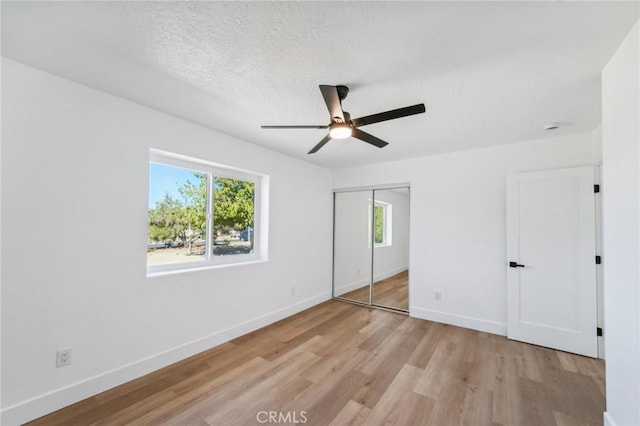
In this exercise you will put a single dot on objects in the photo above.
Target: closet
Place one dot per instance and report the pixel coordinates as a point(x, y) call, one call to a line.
point(371, 247)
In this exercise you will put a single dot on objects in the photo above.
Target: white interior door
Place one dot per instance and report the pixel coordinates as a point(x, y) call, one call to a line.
point(551, 279)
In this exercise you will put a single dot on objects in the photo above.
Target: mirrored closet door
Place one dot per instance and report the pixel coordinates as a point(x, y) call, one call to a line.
point(371, 247)
point(391, 248)
point(351, 252)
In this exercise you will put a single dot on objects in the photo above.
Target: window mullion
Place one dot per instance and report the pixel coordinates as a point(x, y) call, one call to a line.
point(384, 225)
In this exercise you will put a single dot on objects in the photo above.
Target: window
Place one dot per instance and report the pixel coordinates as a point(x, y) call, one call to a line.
point(200, 214)
point(382, 220)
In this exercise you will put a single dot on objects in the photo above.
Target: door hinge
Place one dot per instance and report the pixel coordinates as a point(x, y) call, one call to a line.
point(599, 331)
point(598, 260)
point(596, 188)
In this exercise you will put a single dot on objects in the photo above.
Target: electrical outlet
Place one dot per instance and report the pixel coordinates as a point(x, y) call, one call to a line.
point(293, 291)
point(63, 357)
point(438, 296)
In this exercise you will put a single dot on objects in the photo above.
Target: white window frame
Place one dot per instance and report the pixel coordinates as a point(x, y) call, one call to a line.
point(216, 171)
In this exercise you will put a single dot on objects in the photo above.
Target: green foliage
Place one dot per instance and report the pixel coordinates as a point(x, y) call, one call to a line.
point(171, 219)
point(194, 210)
point(378, 234)
point(233, 204)
point(165, 220)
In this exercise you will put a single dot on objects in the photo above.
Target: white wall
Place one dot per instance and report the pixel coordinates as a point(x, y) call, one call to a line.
point(621, 230)
point(74, 203)
point(458, 223)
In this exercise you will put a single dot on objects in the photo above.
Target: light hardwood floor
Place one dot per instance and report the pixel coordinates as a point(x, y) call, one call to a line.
point(345, 364)
point(392, 292)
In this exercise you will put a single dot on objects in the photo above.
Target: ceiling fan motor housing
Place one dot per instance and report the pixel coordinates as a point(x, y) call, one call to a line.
point(343, 91)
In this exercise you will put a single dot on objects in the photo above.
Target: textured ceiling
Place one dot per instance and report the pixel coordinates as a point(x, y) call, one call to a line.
point(489, 72)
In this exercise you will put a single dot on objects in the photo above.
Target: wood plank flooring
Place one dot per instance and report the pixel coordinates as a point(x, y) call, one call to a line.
point(391, 292)
point(341, 364)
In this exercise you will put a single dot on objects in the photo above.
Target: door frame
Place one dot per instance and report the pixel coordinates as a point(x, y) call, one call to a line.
point(597, 177)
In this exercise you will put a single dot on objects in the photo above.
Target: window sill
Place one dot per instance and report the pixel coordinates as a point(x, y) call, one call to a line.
point(203, 268)
point(381, 245)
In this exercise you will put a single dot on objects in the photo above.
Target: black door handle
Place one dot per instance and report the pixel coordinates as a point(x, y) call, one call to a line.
point(515, 265)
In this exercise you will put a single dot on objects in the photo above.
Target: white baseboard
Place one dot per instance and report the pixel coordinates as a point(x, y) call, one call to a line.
point(389, 274)
point(608, 421)
point(346, 288)
point(488, 326)
point(365, 282)
point(39, 406)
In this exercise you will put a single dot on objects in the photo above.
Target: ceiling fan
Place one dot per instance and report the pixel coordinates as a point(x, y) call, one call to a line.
point(342, 126)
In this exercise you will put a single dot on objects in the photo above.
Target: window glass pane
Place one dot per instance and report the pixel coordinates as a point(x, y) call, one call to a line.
point(177, 215)
point(378, 233)
point(233, 216)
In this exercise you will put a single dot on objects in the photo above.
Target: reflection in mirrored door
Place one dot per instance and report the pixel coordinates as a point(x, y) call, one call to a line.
point(371, 247)
point(391, 248)
point(351, 250)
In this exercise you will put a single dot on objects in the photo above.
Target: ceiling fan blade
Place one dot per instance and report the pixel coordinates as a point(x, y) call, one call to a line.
point(331, 98)
point(389, 115)
point(294, 127)
point(366, 137)
point(320, 144)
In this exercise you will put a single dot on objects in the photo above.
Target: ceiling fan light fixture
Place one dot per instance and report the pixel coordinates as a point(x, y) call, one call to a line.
point(343, 127)
point(340, 131)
